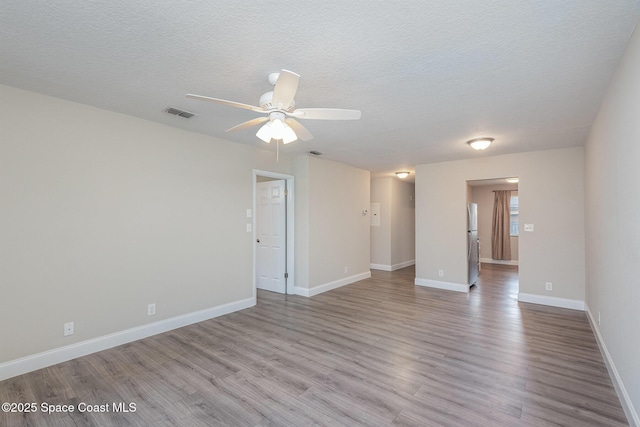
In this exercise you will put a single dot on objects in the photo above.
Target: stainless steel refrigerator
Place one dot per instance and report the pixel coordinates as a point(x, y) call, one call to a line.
point(473, 257)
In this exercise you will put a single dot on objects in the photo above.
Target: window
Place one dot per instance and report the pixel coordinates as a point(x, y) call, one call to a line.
point(514, 220)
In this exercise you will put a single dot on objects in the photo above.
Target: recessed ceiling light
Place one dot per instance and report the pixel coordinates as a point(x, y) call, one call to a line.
point(480, 143)
point(512, 180)
point(402, 174)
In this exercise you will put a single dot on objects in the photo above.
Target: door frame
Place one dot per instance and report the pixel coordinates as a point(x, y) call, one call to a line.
point(290, 269)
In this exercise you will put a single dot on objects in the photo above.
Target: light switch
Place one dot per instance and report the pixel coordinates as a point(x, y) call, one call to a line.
point(528, 227)
point(248, 213)
point(248, 228)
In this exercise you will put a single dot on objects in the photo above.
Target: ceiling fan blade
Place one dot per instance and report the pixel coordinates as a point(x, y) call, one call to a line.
point(225, 102)
point(248, 124)
point(285, 89)
point(301, 131)
point(326, 114)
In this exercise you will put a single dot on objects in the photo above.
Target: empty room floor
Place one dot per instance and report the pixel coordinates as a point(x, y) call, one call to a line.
point(378, 352)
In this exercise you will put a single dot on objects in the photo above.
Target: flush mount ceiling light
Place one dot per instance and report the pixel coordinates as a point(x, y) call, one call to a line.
point(512, 180)
point(480, 143)
point(402, 174)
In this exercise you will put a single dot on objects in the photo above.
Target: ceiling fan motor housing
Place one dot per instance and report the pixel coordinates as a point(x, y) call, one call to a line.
point(273, 78)
point(276, 115)
point(266, 104)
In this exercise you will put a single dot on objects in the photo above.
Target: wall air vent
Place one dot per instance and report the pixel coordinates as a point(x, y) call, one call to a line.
point(178, 112)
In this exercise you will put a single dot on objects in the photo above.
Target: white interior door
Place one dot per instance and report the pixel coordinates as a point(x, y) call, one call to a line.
point(271, 236)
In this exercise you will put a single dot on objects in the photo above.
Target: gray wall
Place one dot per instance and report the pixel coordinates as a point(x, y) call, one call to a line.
point(551, 192)
point(612, 222)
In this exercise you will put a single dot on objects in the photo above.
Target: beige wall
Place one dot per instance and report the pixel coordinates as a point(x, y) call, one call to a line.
point(613, 225)
point(393, 242)
point(301, 232)
point(403, 222)
point(381, 236)
point(330, 199)
point(102, 213)
point(551, 193)
point(483, 196)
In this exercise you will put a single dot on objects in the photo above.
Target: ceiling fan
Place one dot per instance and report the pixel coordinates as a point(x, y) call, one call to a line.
point(281, 112)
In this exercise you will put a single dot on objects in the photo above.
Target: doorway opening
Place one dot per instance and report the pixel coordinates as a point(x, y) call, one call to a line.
point(504, 257)
point(273, 232)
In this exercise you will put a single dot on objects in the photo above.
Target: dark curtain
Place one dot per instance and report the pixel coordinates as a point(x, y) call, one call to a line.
point(500, 232)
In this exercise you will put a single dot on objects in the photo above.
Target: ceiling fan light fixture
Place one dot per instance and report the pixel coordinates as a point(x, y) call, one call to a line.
point(276, 129)
point(264, 133)
point(288, 135)
point(480, 143)
point(402, 174)
point(279, 104)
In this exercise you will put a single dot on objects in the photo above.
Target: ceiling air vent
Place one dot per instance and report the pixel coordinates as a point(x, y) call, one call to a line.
point(178, 112)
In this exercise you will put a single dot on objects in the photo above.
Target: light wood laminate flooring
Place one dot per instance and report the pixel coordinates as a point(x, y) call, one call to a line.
point(378, 352)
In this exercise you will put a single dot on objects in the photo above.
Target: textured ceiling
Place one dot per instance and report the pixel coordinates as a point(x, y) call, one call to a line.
point(427, 75)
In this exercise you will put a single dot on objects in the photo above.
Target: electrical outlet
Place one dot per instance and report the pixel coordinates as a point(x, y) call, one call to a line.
point(598, 318)
point(151, 309)
point(440, 273)
point(346, 269)
point(69, 329)
point(549, 286)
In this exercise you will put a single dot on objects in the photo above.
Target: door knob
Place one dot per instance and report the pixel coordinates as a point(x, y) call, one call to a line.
point(258, 240)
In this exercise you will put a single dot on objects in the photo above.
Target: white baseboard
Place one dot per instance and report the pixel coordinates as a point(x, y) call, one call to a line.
point(552, 301)
point(449, 286)
point(393, 267)
point(304, 292)
point(499, 261)
point(331, 285)
point(625, 400)
point(33, 362)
